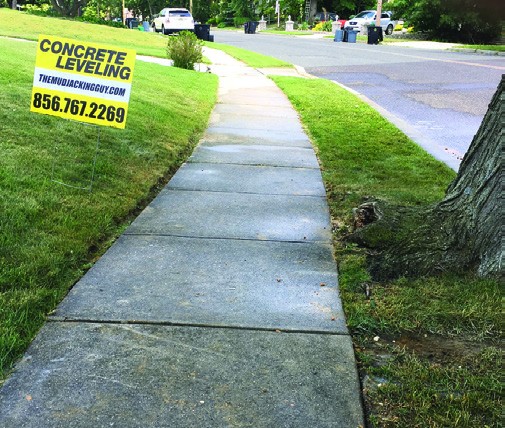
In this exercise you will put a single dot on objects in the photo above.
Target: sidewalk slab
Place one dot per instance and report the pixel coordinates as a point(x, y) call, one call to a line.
point(131, 376)
point(265, 123)
point(249, 154)
point(255, 97)
point(235, 216)
point(212, 282)
point(252, 179)
point(256, 110)
point(255, 138)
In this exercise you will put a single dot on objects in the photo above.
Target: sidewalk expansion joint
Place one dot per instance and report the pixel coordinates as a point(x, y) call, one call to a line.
point(62, 319)
point(253, 164)
point(183, 189)
point(281, 241)
point(204, 162)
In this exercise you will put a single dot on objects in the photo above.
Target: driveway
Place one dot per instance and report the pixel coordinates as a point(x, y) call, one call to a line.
point(437, 97)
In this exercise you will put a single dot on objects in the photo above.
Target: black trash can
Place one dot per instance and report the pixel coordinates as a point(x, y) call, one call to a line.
point(246, 28)
point(202, 31)
point(345, 35)
point(252, 27)
point(374, 35)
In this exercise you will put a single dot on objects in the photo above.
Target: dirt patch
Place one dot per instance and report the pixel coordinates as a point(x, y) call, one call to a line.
point(441, 349)
point(436, 349)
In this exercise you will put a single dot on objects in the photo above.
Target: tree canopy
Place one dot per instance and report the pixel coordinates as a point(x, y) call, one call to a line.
point(468, 21)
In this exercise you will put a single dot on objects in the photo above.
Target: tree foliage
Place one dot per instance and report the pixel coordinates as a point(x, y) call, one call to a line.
point(467, 21)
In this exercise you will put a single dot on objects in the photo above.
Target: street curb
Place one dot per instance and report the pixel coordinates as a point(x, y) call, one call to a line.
point(477, 51)
point(401, 124)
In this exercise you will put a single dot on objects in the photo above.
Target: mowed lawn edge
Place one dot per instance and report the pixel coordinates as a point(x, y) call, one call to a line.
point(427, 348)
point(50, 234)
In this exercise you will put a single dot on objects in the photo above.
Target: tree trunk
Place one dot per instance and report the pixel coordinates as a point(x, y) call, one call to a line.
point(460, 233)
point(68, 8)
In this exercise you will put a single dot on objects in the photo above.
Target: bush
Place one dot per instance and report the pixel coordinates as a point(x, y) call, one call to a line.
point(304, 26)
point(42, 10)
point(185, 50)
point(239, 21)
point(221, 25)
point(464, 21)
point(323, 26)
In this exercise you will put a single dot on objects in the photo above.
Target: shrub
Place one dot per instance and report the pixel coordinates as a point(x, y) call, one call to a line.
point(304, 26)
point(323, 26)
point(239, 21)
point(464, 21)
point(42, 10)
point(185, 50)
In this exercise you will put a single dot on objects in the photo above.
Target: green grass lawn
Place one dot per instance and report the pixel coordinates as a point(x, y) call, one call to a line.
point(26, 26)
point(51, 233)
point(498, 48)
point(428, 349)
point(250, 58)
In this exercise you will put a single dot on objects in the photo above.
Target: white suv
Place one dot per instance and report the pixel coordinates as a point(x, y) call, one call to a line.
point(367, 17)
point(172, 20)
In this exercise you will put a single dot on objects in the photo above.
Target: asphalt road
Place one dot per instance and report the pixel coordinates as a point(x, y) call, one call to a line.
point(437, 97)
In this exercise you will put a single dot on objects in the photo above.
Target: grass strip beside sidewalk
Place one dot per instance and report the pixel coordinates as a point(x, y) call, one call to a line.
point(428, 349)
point(50, 234)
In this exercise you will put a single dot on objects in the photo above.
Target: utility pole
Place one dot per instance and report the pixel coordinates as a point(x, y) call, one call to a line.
point(379, 13)
point(278, 12)
point(191, 7)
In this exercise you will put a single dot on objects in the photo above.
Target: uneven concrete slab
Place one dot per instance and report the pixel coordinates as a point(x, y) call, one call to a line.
point(235, 216)
point(290, 126)
point(257, 138)
point(217, 282)
point(100, 375)
point(248, 179)
point(247, 110)
point(253, 96)
point(249, 154)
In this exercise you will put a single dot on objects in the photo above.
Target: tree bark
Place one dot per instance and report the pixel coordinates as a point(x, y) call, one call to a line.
point(68, 8)
point(460, 233)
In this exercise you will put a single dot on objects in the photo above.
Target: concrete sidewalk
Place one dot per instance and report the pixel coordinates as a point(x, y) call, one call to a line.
point(219, 305)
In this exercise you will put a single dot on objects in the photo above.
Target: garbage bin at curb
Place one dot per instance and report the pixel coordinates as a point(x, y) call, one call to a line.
point(374, 35)
point(250, 27)
point(202, 31)
point(351, 36)
point(132, 23)
point(339, 36)
point(146, 26)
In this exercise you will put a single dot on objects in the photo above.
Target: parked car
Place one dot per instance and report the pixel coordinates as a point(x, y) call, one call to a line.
point(367, 17)
point(173, 20)
point(325, 16)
